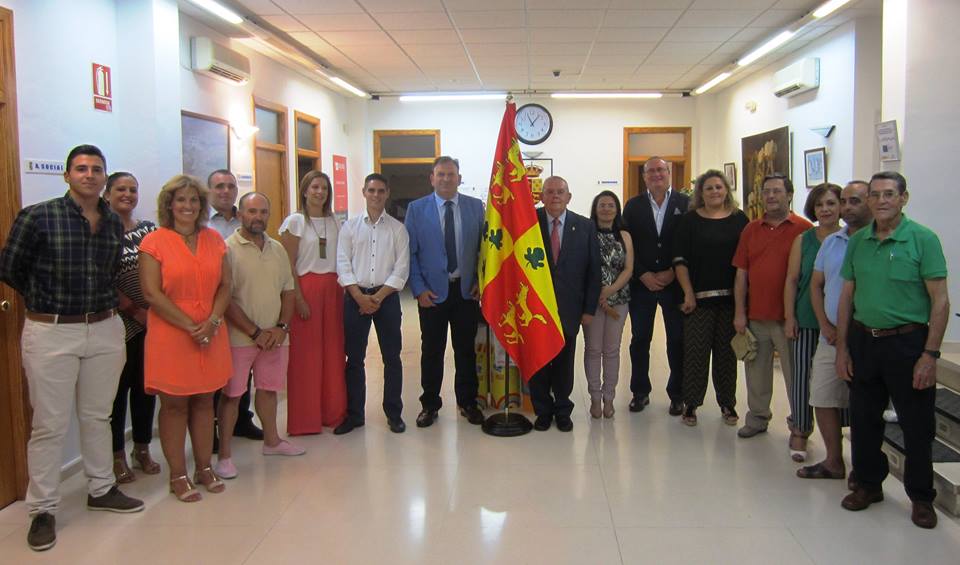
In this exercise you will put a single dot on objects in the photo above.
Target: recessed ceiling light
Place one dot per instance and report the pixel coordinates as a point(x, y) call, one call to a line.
point(219, 10)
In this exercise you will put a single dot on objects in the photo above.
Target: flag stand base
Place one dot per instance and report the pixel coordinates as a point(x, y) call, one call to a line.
point(507, 424)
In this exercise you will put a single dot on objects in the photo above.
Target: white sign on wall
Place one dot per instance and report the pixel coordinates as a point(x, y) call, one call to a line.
point(43, 167)
point(888, 141)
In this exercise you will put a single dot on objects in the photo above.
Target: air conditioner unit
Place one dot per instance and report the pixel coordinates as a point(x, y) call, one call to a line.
point(799, 77)
point(219, 62)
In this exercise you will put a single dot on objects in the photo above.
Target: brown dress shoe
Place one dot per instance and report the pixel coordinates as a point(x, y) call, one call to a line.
point(924, 516)
point(861, 499)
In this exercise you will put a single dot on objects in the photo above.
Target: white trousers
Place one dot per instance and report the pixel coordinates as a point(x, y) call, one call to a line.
point(67, 363)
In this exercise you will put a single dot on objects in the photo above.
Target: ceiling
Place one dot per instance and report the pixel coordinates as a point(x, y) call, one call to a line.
point(406, 46)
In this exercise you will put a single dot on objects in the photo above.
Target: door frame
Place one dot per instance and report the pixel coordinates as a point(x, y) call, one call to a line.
point(628, 159)
point(380, 133)
point(281, 148)
point(10, 203)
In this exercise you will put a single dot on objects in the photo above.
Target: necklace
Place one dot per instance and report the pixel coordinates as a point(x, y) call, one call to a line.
point(322, 241)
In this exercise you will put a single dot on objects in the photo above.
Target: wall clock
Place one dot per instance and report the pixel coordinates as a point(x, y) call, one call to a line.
point(534, 124)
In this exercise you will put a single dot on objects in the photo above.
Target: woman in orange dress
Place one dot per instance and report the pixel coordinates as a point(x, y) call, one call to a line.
point(186, 281)
point(316, 385)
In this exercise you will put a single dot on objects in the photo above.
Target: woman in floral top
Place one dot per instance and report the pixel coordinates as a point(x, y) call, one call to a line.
point(602, 336)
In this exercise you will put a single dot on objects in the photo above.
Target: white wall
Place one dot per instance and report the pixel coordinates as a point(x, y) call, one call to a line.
point(724, 119)
point(586, 144)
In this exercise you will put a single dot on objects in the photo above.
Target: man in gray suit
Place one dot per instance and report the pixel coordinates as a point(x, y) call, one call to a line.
point(573, 254)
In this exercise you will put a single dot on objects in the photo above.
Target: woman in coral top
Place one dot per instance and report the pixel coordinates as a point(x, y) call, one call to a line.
point(316, 386)
point(186, 281)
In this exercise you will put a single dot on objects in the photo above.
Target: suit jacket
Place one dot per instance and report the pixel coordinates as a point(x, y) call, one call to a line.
point(428, 256)
point(653, 252)
point(576, 274)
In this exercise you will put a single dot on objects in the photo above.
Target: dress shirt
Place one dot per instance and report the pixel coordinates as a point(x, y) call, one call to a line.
point(659, 212)
point(224, 226)
point(373, 253)
point(56, 264)
point(563, 222)
point(457, 226)
point(829, 261)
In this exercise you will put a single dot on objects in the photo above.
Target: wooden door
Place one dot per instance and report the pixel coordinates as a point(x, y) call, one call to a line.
point(13, 423)
point(271, 182)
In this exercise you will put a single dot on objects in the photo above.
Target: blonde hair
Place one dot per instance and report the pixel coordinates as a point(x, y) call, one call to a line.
point(169, 191)
point(696, 201)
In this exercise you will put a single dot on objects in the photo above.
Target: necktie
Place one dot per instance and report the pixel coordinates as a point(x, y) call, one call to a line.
point(555, 239)
point(449, 236)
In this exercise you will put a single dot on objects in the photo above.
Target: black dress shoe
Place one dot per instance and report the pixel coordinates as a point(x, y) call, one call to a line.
point(564, 423)
point(639, 403)
point(861, 499)
point(924, 516)
point(249, 431)
point(472, 414)
point(396, 425)
point(542, 423)
point(676, 407)
point(346, 427)
point(426, 418)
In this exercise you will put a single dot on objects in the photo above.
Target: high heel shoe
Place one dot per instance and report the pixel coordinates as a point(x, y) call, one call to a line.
point(187, 492)
point(141, 458)
point(209, 479)
point(121, 471)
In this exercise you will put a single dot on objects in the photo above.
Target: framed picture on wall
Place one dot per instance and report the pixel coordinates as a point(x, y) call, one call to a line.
point(730, 171)
point(206, 144)
point(762, 154)
point(815, 166)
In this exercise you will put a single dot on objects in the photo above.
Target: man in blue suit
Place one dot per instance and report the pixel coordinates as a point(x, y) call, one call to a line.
point(444, 230)
point(573, 253)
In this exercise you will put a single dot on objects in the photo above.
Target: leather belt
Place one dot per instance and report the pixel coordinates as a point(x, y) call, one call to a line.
point(899, 330)
point(88, 318)
point(371, 290)
point(713, 293)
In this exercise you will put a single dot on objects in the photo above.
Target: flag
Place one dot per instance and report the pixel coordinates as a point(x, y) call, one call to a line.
point(517, 294)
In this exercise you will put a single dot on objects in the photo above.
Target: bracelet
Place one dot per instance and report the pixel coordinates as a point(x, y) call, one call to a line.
point(256, 333)
point(216, 321)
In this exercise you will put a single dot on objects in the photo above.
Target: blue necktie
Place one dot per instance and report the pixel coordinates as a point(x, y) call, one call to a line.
point(449, 236)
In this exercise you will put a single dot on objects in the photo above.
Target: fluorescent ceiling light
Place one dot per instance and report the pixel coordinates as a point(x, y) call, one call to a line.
point(606, 95)
point(828, 8)
point(350, 87)
point(220, 10)
point(712, 82)
point(777, 41)
point(449, 97)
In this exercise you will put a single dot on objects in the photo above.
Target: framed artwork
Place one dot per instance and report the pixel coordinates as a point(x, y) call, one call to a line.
point(762, 154)
point(730, 171)
point(206, 144)
point(815, 166)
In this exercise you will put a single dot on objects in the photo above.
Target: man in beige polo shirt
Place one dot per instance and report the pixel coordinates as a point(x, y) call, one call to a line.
point(258, 316)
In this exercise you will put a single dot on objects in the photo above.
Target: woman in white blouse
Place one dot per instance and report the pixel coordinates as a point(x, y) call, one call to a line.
point(316, 389)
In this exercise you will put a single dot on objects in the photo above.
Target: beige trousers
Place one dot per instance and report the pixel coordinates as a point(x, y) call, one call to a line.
point(70, 365)
point(759, 372)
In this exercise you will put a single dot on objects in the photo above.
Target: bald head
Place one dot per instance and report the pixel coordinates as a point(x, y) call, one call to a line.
point(853, 205)
point(556, 196)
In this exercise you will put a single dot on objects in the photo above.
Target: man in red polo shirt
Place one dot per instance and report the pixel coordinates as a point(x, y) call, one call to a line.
point(761, 262)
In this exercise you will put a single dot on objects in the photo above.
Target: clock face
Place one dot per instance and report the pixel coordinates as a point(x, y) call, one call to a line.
point(534, 124)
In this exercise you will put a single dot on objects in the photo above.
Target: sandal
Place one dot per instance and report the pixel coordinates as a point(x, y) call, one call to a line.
point(689, 415)
point(120, 469)
point(818, 471)
point(187, 492)
point(729, 415)
point(212, 483)
point(798, 447)
point(141, 458)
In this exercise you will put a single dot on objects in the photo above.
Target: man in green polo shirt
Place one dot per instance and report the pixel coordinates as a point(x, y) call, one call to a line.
point(892, 315)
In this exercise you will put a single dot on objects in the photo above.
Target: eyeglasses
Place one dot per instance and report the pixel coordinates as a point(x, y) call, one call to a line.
point(886, 195)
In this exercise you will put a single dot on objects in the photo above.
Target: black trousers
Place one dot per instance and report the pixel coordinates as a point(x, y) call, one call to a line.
point(356, 330)
point(643, 311)
point(550, 387)
point(141, 404)
point(882, 370)
point(707, 332)
point(462, 315)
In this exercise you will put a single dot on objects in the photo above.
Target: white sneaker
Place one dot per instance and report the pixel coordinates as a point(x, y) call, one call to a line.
point(225, 468)
point(890, 415)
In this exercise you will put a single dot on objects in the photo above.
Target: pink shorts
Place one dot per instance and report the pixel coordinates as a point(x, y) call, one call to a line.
point(269, 369)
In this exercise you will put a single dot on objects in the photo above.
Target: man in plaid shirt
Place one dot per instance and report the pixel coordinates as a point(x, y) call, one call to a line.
point(62, 256)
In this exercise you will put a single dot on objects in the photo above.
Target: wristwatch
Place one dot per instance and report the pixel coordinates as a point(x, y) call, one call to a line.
point(932, 353)
point(284, 327)
point(216, 321)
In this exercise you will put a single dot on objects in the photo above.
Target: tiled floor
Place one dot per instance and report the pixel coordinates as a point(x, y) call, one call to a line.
point(641, 488)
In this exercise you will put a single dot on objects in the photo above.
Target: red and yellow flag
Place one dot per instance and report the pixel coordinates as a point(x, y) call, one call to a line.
point(517, 294)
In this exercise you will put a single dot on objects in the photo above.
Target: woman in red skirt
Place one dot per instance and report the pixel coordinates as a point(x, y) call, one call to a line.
point(316, 389)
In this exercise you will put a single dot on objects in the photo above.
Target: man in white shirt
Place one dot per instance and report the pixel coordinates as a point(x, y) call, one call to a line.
point(373, 263)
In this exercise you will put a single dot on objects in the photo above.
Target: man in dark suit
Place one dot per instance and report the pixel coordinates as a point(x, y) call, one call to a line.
point(444, 229)
point(573, 254)
point(652, 218)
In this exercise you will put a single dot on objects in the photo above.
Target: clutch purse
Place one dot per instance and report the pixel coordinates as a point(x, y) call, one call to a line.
point(744, 346)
